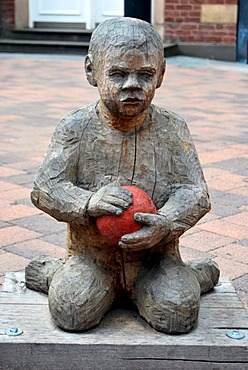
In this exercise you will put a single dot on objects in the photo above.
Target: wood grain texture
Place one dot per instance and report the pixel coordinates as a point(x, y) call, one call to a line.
point(80, 306)
point(123, 139)
point(122, 339)
point(40, 271)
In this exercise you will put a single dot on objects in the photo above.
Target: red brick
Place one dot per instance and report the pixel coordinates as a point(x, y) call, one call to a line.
point(7, 171)
point(239, 219)
point(243, 191)
point(13, 212)
point(205, 241)
point(183, 12)
point(226, 182)
point(234, 252)
point(225, 228)
point(35, 247)
point(14, 234)
point(220, 155)
point(11, 262)
point(231, 269)
point(19, 192)
point(189, 254)
point(7, 186)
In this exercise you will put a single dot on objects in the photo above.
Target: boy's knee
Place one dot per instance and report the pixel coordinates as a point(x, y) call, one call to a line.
point(168, 297)
point(80, 294)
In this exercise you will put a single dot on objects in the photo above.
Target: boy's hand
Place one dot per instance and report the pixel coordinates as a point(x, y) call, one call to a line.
point(155, 228)
point(109, 200)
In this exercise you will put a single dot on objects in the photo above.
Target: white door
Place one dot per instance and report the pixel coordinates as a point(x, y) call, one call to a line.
point(60, 11)
point(89, 12)
point(106, 9)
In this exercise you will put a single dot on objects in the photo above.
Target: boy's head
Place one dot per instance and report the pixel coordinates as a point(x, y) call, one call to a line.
point(126, 63)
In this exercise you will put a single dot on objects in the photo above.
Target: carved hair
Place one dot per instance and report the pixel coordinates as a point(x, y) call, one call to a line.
point(125, 31)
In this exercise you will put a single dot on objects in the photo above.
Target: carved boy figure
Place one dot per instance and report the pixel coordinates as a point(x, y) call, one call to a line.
point(123, 139)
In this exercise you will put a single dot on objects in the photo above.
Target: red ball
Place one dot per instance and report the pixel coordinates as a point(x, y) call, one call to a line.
point(112, 228)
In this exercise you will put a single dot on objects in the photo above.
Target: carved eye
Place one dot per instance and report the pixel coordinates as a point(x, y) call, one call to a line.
point(146, 75)
point(117, 74)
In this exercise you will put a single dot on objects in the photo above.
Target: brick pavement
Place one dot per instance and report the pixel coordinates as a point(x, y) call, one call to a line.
point(36, 91)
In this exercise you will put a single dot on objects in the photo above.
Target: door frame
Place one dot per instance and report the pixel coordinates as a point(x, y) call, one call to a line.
point(242, 32)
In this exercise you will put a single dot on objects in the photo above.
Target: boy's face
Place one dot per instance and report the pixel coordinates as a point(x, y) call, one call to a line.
point(127, 79)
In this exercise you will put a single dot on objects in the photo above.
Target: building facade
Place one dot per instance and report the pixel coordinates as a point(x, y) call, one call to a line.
point(208, 28)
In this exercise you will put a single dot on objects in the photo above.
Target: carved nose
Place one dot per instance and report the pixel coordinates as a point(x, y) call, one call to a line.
point(131, 82)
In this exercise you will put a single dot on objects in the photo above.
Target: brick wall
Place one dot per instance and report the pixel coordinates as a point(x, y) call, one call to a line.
point(7, 16)
point(204, 21)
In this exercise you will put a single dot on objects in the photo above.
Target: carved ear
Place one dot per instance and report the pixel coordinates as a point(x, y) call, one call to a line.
point(88, 65)
point(161, 76)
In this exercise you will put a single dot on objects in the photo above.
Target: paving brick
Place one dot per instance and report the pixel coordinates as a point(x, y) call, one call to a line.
point(236, 165)
point(226, 182)
point(239, 219)
point(58, 239)
point(7, 171)
point(234, 251)
point(41, 223)
point(25, 179)
point(35, 247)
point(225, 228)
point(19, 192)
point(205, 241)
point(226, 203)
point(4, 224)
point(241, 285)
point(243, 191)
point(25, 165)
point(14, 212)
point(244, 242)
point(231, 269)
point(13, 234)
point(209, 217)
point(4, 185)
point(189, 254)
point(4, 204)
point(221, 155)
point(11, 262)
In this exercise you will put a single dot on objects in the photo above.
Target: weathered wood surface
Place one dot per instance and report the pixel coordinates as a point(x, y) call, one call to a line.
point(122, 340)
point(123, 139)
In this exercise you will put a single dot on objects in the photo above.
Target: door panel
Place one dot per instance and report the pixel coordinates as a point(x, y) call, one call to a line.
point(89, 12)
point(106, 9)
point(59, 11)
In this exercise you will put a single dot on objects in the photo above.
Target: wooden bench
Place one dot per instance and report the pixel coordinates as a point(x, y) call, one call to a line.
point(122, 340)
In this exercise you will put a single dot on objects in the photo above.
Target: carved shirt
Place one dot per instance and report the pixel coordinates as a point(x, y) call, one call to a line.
point(86, 154)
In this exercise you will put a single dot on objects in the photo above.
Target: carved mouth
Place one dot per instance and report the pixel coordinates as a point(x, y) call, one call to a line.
point(131, 100)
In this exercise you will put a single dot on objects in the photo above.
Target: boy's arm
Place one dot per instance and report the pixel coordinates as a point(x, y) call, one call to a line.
point(54, 189)
point(189, 198)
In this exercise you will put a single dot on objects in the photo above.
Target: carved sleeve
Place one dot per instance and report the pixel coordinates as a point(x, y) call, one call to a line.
point(55, 190)
point(189, 198)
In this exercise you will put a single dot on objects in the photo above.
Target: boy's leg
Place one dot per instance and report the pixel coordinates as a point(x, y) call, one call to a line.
point(168, 296)
point(80, 294)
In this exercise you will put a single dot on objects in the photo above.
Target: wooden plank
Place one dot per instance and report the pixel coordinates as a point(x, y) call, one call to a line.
point(221, 300)
point(63, 357)
point(122, 340)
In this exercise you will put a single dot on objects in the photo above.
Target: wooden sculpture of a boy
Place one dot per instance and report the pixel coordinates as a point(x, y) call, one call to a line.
point(123, 139)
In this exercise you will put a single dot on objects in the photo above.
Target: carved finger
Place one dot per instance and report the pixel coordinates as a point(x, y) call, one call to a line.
point(109, 209)
point(142, 244)
point(146, 218)
point(119, 194)
point(116, 201)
